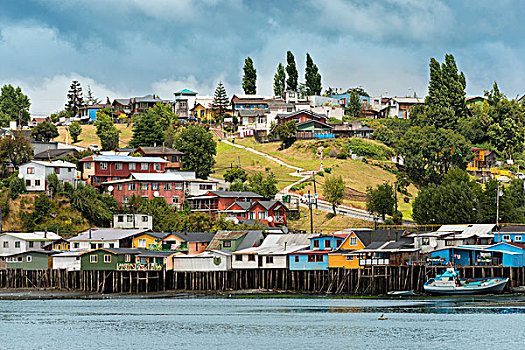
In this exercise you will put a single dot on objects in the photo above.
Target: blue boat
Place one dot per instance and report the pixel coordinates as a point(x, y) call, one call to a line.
point(450, 282)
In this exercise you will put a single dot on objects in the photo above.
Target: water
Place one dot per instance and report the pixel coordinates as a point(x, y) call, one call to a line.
point(261, 323)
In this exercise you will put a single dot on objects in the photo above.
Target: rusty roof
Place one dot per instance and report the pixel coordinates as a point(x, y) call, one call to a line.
point(224, 235)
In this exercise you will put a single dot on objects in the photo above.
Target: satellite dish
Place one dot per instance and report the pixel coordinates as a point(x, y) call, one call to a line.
point(156, 194)
point(433, 244)
point(270, 218)
point(110, 188)
point(285, 229)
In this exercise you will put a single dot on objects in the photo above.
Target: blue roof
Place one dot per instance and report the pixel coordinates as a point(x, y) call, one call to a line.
point(186, 91)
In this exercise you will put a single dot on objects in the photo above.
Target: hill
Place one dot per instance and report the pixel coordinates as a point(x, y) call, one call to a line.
point(89, 135)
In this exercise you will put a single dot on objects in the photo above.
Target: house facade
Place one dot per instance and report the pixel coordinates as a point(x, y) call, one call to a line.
point(184, 102)
point(190, 243)
point(133, 221)
point(35, 173)
point(172, 156)
point(19, 242)
point(316, 258)
point(218, 201)
point(212, 260)
point(95, 238)
point(30, 260)
point(270, 213)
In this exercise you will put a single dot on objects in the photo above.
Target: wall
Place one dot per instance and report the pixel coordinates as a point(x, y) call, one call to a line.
point(150, 240)
point(86, 245)
point(24, 245)
point(121, 191)
point(38, 262)
point(245, 263)
point(202, 263)
point(304, 264)
point(70, 263)
point(101, 265)
point(340, 260)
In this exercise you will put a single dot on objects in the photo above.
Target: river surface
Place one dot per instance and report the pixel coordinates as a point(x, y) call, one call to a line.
point(263, 323)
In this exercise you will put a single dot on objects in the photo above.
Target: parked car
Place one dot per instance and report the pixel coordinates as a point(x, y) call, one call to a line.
point(307, 198)
point(503, 178)
point(520, 176)
point(94, 148)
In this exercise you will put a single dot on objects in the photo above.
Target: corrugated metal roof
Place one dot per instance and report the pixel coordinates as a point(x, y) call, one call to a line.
point(157, 177)
point(33, 236)
point(274, 244)
point(195, 236)
point(107, 234)
point(123, 159)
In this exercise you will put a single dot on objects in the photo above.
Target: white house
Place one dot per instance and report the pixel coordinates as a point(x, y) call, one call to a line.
point(212, 260)
point(454, 235)
point(133, 221)
point(69, 261)
point(272, 253)
point(20, 242)
point(104, 238)
point(35, 173)
point(199, 187)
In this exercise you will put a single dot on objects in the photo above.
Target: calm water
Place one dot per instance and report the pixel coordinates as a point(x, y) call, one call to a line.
point(216, 323)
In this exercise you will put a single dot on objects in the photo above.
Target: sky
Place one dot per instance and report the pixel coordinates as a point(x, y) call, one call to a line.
point(126, 48)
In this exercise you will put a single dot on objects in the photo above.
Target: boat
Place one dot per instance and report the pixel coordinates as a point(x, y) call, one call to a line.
point(401, 292)
point(382, 318)
point(450, 282)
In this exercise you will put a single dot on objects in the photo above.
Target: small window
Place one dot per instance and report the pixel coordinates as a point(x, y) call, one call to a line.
point(103, 165)
point(316, 244)
point(178, 185)
point(93, 259)
point(338, 242)
point(31, 244)
point(144, 218)
point(425, 241)
point(167, 187)
point(112, 245)
point(175, 199)
point(28, 183)
point(125, 200)
point(6, 244)
point(311, 258)
point(156, 166)
point(174, 159)
point(131, 166)
point(269, 259)
point(30, 170)
point(76, 245)
point(353, 240)
point(100, 245)
point(131, 187)
point(119, 187)
point(261, 215)
point(127, 258)
point(143, 166)
point(118, 166)
point(238, 257)
point(296, 258)
point(154, 186)
point(506, 237)
point(17, 244)
point(57, 170)
point(144, 186)
point(120, 218)
point(251, 257)
point(319, 258)
point(87, 165)
point(349, 258)
point(29, 258)
point(107, 258)
point(517, 238)
point(37, 182)
point(142, 243)
point(327, 244)
point(129, 218)
point(227, 244)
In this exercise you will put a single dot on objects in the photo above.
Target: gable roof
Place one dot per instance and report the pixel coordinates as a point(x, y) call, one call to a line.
point(301, 111)
point(33, 236)
point(157, 150)
point(235, 194)
point(53, 153)
point(276, 244)
point(314, 122)
point(124, 159)
point(53, 164)
point(195, 236)
point(116, 250)
point(225, 235)
point(186, 92)
point(107, 234)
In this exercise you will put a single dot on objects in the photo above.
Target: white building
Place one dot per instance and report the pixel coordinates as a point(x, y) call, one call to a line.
point(184, 101)
point(213, 260)
point(69, 261)
point(35, 173)
point(104, 238)
point(272, 253)
point(199, 187)
point(20, 242)
point(454, 235)
point(399, 107)
point(133, 221)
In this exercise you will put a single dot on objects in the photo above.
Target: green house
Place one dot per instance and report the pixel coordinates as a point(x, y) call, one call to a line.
point(107, 258)
point(31, 260)
point(235, 240)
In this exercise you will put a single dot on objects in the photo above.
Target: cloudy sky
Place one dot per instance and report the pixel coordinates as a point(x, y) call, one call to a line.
point(124, 48)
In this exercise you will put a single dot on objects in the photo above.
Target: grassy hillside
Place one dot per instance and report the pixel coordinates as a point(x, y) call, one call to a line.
point(323, 222)
point(89, 135)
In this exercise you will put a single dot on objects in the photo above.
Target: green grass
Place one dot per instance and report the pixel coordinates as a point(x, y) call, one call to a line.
point(322, 221)
point(89, 135)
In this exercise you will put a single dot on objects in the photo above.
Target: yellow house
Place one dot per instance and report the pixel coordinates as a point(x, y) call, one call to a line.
point(147, 240)
point(61, 245)
point(342, 257)
point(202, 112)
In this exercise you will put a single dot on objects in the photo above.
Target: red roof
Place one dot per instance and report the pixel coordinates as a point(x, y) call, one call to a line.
point(312, 252)
point(519, 245)
point(338, 235)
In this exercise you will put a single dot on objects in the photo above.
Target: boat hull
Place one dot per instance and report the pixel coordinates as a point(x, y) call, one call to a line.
point(495, 287)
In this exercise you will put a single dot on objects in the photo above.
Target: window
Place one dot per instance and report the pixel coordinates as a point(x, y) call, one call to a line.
point(269, 259)
point(120, 218)
point(226, 243)
point(296, 258)
point(174, 159)
point(327, 244)
point(29, 258)
point(6, 244)
point(425, 241)
point(144, 218)
point(125, 200)
point(156, 166)
point(57, 170)
point(93, 259)
point(175, 199)
point(238, 257)
point(506, 237)
point(349, 258)
point(167, 187)
point(319, 258)
point(107, 258)
point(177, 185)
point(103, 165)
point(42, 244)
point(353, 240)
point(119, 187)
point(338, 242)
point(127, 258)
point(154, 186)
point(517, 238)
point(68, 170)
point(76, 245)
point(316, 244)
point(31, 244)
point(28, 183)
point(87, 165)
point(131, 187)
point(311, 258)
point(251, 257)
point(143, 166)
point(30, 170)
point(450, 242)
point(129, 218)
point(144, 186)
point(100, 245)
point(131, 166)
point(17, 244)
point(37, 182)
point(111, 245)
point(142, 243)
point(261, 215)
point(118, 166)
point(205, 187)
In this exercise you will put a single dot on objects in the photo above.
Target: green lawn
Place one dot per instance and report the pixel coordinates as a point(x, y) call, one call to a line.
point(89, 135)
point(322, 221)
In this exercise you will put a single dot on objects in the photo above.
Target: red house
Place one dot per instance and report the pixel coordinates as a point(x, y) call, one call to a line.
point(218, 201)
point(300, 116)
point(270, 213)
point(97, 169)
point(169, 186)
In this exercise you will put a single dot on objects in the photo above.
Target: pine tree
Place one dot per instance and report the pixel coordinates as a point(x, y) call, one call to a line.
point(74, 98)
point(279, 81)
point(312, 77)
point(106, 130)
point(148, 131)
point(249, 78)
point(90, 98)
point(291, 70)
point(220, 100)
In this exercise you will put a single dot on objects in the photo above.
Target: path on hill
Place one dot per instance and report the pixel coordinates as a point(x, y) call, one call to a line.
point(305, 175)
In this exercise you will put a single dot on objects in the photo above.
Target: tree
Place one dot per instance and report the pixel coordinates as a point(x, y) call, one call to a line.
point(279, 81)
point(334, 190)
point(16, 187)
point(249, 78)
point(220, 100)
point(16, 150)
point(354, 105)
point(14, 105)
point(199, 149)
point(287, 133)
point(54, 184)
point(265, 186)
point(75, 130)
point(381, 200)
point(147, 131)
point(291, 70)
point(44, 132)
point(90, 98)
point(98, 209)
point(235, 173)
point(164, 114)
point(312, 77)
point(75, 101)
point(106, 130)
point(429, 153)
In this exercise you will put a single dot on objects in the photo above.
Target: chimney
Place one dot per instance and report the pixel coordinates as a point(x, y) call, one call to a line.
point(45, 233)
point(0, 220)
point(285, 245)
point(89, 235)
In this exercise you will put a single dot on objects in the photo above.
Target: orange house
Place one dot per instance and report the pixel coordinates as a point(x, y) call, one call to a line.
point(190, 243)
point(342, 258)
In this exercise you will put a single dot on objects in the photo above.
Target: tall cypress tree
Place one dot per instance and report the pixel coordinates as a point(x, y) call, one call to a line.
point(249, 78)
point(279, 81)
point(220, 99)
point(291, 70)
point(74, 98)
point(312, 77)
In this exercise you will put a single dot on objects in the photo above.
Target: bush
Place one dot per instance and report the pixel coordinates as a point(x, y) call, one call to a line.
point(16, 187)
point(328, 170)
point(342, 155)
point(368, 149)
point(320, 173)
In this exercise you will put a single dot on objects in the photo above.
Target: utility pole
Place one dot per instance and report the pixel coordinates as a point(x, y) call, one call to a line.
point(311, 217)
point(395, 198)
point(497, 206)
point(315, 192)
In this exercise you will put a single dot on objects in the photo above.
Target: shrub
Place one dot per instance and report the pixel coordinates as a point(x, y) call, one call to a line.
point(328, 170)
point(368, 149)
point(16, 187)
point(342, 155)
point(320, 173)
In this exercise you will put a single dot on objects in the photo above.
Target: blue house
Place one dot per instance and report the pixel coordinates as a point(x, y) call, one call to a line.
point(344, 99)
point(317, 257)
point(462, 256)
point(508, 254)
point(513, 233)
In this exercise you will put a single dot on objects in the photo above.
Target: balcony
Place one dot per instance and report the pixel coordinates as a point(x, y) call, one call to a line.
point(139, 267)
